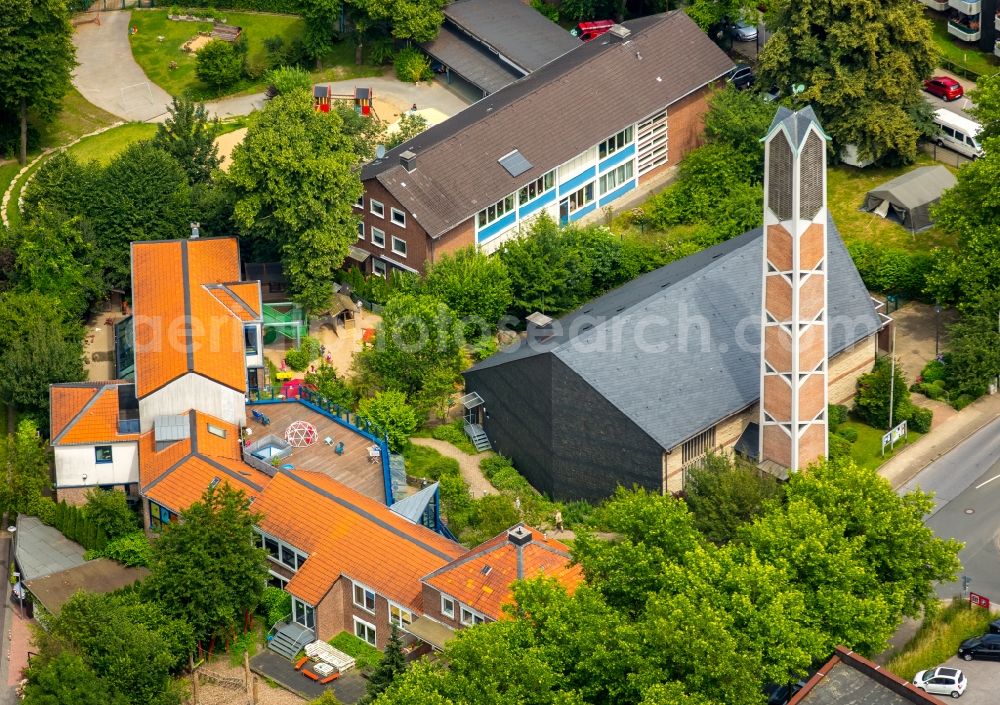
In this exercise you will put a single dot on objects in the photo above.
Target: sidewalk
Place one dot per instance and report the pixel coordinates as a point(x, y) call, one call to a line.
point(468, 465)
point(942, 438)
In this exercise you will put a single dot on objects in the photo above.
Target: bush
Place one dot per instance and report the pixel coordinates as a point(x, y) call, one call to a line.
point(493, 464)
point(219, 65)
point(412, 65)
point(889, 269)
point(454, 433)
point(837, 414)
point(286, 80)
point(848, 434)
point(550, 11)
point(110, 512)
point(393, 416)
point(839, 447)
point(44, 508)
point(934, 371)
point(299, 358)
point(381, 51)
point(130, 550)
point(366, 657)
point(920, 419)
point(963, 401)
point(275, 604)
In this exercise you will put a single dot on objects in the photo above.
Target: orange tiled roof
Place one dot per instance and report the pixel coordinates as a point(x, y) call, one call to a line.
point(181, 323)
point(86, 414)
point(482, 578)
point(346, 533)
point(178, 475)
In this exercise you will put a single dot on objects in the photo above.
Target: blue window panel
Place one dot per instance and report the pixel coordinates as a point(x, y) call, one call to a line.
point(583, 211)
point(622, 155)
point(496, 226)
point(577, 181)
point(624, 188)
point(533, 206)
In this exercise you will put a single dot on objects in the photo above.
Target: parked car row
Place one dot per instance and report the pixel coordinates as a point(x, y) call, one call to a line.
point(945, 680)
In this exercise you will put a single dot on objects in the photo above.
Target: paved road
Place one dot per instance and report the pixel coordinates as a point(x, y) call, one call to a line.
point(966, 482)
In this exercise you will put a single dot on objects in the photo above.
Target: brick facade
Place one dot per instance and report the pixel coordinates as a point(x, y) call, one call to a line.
point(686, 125)
point(73, 495)
point(432, 608)
point(414, 235)
point(846, 367)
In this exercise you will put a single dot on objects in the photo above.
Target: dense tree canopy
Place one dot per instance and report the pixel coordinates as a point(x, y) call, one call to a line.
point(723, 494)
point(475, 286)
point(861, 63)
point(213, 548)
point(188, 135)
point(36, 58)
point(66, 678)
point(668, 617)
point(389, 411)
point(24, 468)
point(294, 180)
point(416, 20)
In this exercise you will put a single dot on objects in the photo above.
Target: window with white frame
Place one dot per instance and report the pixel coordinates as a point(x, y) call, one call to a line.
point(281, 552)
point(615, 142)
point(447, 606)
point(496, 211)
point(361, 230)
point(400, 616)
point(578, 199)
point(470, 617)
point(364, 597)
point(376, 208)
point(378, 268)
point(292, 558)
point(364, 630)
point(276, 580)
point(616, 177)
point(378, 237)
point(398, 217)
point(216, 430)
point(360, 203)
point(399, 246)
point(536, 188)
point(303, 614)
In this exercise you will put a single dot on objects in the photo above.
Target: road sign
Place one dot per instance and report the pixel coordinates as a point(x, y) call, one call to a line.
point(890, 438)
point(980, 600)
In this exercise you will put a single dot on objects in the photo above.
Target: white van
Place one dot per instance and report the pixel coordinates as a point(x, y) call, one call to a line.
point(958, 133)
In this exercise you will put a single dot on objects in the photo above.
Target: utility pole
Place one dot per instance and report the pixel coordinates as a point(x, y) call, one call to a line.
point(892, 376)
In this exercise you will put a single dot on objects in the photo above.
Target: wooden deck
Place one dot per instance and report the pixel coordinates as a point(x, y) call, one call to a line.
point(353, 468)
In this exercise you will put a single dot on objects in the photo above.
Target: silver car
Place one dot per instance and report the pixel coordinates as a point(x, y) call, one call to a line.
point(941, 681)
point(743, 32)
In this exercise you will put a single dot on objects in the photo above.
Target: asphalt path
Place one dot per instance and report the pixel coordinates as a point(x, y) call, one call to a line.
point(966, 485)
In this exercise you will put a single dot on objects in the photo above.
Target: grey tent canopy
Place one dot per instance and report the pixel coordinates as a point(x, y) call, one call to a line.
point(908, 198)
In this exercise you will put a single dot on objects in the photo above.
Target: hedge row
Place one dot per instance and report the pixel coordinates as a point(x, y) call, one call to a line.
point(287, 7)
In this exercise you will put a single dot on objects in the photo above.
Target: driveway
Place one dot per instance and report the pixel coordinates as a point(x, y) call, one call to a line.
point(983, 678)
point(109, 77)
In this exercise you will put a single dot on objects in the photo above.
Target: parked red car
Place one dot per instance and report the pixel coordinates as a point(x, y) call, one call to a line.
point(944, 88)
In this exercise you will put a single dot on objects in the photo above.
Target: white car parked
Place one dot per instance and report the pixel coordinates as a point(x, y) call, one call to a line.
point(941, 681)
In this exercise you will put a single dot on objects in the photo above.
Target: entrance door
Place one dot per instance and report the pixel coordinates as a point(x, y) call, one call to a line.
point(564, 211)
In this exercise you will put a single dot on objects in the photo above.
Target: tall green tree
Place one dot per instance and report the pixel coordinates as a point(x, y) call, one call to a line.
point(410, 125)
point(61, 185)
point(389, 411)
point(393, 664)
point(188, 135)
point(295, 185)
point(39, 346)
point(419, 336)
point(142, 194)
point(24, 464)
point(321, 18)
point(723, 494)
point(36, 59)
point(65, 678)
point(110, 513)
point(475, 286)
point(974, 345)
point(416, 20)
point(861, 63)
point(219, 64)
point(739, 119)
point(884, 384)
point(211, 547)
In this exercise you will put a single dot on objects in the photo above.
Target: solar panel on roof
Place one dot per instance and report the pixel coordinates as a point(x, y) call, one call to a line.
point(515, 163)
point(171, 428)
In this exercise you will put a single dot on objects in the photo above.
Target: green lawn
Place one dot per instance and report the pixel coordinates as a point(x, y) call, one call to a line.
point(366, 657)
point(7, 174)
point(154, 56)
point(867, 450)
point(846, 188)
point(78, 117)
point(13, 214)
point(105, 146)
point(962, 54)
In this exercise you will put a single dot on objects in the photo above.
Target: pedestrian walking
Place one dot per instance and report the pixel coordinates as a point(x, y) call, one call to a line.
point(559, 523)
point(517, 504)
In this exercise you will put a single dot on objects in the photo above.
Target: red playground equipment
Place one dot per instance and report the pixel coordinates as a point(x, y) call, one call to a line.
point(323, 97)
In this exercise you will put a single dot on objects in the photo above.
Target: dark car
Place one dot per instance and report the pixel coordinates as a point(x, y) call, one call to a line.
point(944, 87)
point(995, 626)
point(742, 77)
point(781, 694)
point(986, 646)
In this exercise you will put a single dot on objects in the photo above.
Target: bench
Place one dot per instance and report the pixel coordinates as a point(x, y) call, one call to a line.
point(310, 675)
point(300, 663)
point(330, 678)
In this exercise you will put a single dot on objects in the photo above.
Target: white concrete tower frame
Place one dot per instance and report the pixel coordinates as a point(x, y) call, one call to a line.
point(794, 279)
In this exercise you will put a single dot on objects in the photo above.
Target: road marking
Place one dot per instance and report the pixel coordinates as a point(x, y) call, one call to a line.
point(981, 484)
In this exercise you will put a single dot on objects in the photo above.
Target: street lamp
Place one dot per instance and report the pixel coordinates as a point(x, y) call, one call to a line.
point(18, 586)
point(937, 331)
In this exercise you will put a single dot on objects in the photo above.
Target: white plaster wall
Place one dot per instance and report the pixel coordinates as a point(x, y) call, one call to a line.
point(73, 462)
point(193, 392)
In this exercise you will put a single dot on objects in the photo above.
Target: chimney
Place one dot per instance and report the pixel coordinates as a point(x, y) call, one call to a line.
point(408, 160)
point(619, 32)
point(195, 230)
point(793, 383)
point(519, 537)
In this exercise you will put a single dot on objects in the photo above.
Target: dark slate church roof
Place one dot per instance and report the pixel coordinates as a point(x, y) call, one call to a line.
point(698, 360)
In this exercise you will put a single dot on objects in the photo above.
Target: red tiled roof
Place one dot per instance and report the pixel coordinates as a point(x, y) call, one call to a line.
point(172, 284)
point(177, 476)
point(345, 533)
point(86, 414)
point(482, 578)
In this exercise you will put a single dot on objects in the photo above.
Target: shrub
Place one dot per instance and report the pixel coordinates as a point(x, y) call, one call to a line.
point(934, 371)
point(412, 65)
point(889, 269)
point(848, 434)
point(366, 657)
point(962, 401)
point(110, 512)
point(219, 65)
point(428, 463)
point(299, 358)
point(939, 637)
point(130, 550)
point(381, 51)
point(275, 604)
point(393, 416)
point(839, 447)
point(288, 79)
point(493, 464)
point(454, 433)
point(44, 508)
point(550, 11)
point(837, 414)
point(920, 419)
